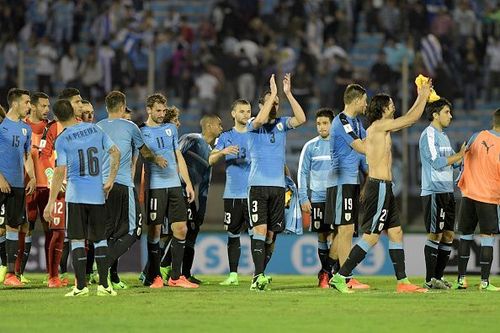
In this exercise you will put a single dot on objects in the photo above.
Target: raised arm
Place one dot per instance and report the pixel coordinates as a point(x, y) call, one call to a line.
point(263, 115)
point(299, 117)
point(412, 116)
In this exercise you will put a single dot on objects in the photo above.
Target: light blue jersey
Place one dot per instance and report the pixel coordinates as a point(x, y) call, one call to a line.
point(15, 142)
point(437, 176)
point(163, 141)
point(346, 162)
point(314, 168)
point(237, 166)
point(127, 137)
point(267, 152)
point(81, 148)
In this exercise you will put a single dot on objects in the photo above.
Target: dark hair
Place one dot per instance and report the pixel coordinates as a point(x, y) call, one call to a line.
point(114, 100)
point(38, 95)
point(325, 112)
point(155, 98)
point(377, 106)
point(436, 107)
point(172, 111)
point(496, 118)
point(63, 110)
point(353, 92)
point(207, 118)
point(67, 93)
point(2, 113)
point(84, 101)
point(14, 94)
point(238, 102)
point(262, 97)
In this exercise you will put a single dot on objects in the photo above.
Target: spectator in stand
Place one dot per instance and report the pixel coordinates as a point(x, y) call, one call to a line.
point(302, 88)
point(10, 57)
point(390, 18)
point(343, 78)
point(465, 19)
point(442, 26)
point(207, 85)
point(106, 56)
point(493, 55)
point(68, 67)
point(186, 31)
point(381, 75)
point(470, 78)
point(246, 77)
point(46, 56)
point(62, 15)
point(91, 75)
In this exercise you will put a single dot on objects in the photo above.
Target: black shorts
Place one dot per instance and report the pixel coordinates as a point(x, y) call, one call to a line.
point(342, 205)
point(266, 205)
point(473, 212)
point(86, 221)
point(380, 207)
point(13, 207)
point(166, 203)
point(439, 212)
point(235, 215)
point(318, 218)
point(123, 213)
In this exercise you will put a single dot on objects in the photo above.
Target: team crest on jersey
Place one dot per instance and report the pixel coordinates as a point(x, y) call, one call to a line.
point(279, 127)
point(255, 218)
point(380, 227)
point(347, 216)
point(25, 131)
point(152, 216)
point(441, 225)
point(168, 131)
point(57, 220)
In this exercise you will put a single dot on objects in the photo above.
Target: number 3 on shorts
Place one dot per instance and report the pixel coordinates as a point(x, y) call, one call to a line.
point(254, 206)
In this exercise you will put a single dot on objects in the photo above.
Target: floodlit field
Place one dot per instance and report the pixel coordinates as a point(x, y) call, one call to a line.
point(294, 304)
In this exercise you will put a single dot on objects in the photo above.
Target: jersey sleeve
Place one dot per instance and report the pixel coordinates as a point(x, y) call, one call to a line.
point(471, 140)
point(137, 138)
point(175, 139)
point(303, 173)
point(344, 130)
point(221, 142)
point(286, 123)
point(429, 152)
point(185, 142)
point(61, 157)
point(27, 144)
point(250, 127)
point(48, 149)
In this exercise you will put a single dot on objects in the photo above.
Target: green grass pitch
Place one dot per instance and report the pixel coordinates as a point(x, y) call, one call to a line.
point(294, 304)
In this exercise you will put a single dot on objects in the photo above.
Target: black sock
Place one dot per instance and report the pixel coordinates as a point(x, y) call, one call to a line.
point(233, 253)
point(188, 259)
point(177, 248)
point(398, 261)
point(79, 257)
point(11, 247)
point(258, 254)
point(64, 259)
point(90, 259)
point(269, 249)
point(431, 250)
point(113, 272)
point(121, 246)
point(463, 255)
point(101, 258)
point(166, 259)
point(486, 257)
point(26, 254)
point(154, 261)
point(3, 253)
point(323, 255)
point(356, 256)
point(335, 265)
point(442, 259)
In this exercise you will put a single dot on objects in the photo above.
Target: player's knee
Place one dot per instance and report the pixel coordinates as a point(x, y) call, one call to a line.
point(260, 230)
point(435, 237)
point(179, 230)
point(448, 236)
point(346, 231)
point(323, 236)
point(370, 239)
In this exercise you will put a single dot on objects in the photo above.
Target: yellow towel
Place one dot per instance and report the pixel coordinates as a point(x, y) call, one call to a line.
point(433, 96)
